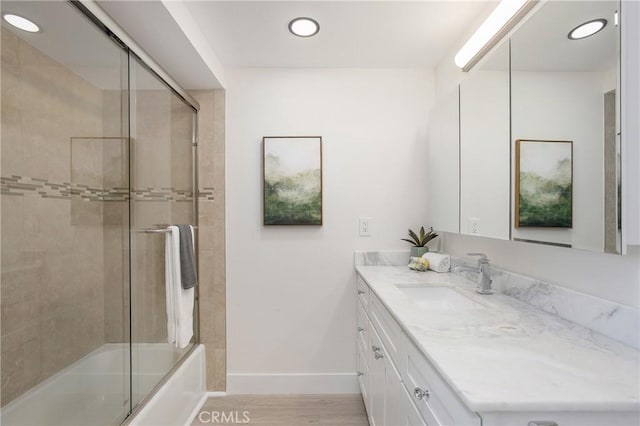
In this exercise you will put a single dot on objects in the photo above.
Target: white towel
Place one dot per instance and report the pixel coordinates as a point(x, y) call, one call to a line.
point(438, 262)
point(179, 301)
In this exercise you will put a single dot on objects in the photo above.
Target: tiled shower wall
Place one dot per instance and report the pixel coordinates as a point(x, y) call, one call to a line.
point(211, 169)
point(162, 175)
point(65, 213)
point(52, 283)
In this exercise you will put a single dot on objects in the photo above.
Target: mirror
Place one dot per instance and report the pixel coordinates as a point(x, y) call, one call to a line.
point(443, 172)
point(564, 109)
point(484, 147)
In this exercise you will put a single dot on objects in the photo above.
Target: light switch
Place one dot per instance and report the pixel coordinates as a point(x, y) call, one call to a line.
point(365, 226)
point(474, 225)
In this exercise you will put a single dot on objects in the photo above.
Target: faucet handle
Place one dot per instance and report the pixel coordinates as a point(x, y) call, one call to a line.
point(483, 257)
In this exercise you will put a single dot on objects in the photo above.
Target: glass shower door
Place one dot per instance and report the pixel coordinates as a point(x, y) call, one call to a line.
point(162, 128)
point(65, 221)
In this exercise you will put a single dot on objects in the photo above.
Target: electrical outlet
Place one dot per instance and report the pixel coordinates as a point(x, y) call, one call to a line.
point(474, 225)
point(365, 226)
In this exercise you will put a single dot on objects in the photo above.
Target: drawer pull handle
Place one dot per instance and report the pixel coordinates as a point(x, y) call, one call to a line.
point(542, 423)
point(375, 348)
point(360, 373)
point(423, 393)
point(360, 329)
point(378, 355)
point(361, 292)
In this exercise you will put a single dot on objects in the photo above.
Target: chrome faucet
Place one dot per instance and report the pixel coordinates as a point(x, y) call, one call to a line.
point(484, 273)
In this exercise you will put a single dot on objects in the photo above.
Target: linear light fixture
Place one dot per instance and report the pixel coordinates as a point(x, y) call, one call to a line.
point(501, 20)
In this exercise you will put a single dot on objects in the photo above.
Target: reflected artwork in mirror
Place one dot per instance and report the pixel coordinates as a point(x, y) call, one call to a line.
point(544, 181)
point(565, 89)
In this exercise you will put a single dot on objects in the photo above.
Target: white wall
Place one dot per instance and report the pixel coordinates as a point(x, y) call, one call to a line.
point(443, 178)
point(484, 153)
point(291, 290)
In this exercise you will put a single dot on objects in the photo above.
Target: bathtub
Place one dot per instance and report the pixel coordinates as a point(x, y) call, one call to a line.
point(94, 390)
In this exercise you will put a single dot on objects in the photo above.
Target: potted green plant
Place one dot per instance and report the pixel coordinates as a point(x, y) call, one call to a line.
point(420, 241)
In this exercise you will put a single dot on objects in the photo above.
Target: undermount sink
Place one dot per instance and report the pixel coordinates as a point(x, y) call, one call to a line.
point(437, 298)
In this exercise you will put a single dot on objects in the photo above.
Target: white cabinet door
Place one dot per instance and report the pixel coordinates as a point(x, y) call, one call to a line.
point(435, 400)
point(412, 416)
point(388, 397)
point(363, 374)
point(395, 406)
point(377, 381)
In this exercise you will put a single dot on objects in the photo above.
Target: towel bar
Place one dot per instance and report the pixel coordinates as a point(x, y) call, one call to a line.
point(155, 231)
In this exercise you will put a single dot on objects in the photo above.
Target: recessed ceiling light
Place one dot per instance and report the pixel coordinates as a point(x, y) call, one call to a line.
point(587, 29)
point(21, 23)
point(304, 27)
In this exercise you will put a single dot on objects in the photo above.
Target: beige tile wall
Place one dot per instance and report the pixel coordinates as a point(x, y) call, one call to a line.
point(115, 217)
point(64, 278)
point(52, 253)
point(211, 161)
point(151, 138)
point(161, 140)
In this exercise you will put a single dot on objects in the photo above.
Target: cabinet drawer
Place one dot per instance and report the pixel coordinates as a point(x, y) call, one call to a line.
point(363, 326)
point(363, 374)
point(388, 329)
point(363, 293)
point(412, 416)
point(441, 406)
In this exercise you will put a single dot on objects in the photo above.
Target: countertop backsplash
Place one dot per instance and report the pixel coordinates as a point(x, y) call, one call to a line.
point(382, 258)
point(619, 322)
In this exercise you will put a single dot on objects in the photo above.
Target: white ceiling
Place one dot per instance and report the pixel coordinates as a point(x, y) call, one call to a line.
point(352, 33)
point(154, 29)
point(387, 33)
point(69, 38)
point(541, 43)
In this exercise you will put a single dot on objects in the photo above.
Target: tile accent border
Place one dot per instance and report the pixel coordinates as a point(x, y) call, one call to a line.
point(23, 186)
point(26, 186)
point(162, 194)
point(206, 193)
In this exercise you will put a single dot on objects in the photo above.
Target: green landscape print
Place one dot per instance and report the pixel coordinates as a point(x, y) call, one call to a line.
point(545, 183)
point(292, 181)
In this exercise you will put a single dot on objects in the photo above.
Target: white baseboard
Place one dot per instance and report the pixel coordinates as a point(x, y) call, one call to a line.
point(287, 384)
point(203, 400)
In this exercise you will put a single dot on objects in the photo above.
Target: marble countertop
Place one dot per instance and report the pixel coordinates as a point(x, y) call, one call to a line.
point(505, 355)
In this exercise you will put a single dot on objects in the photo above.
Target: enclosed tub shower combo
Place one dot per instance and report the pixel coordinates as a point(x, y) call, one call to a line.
point(98, 155)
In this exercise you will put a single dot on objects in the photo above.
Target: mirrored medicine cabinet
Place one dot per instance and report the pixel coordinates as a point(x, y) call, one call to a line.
point(530, 138)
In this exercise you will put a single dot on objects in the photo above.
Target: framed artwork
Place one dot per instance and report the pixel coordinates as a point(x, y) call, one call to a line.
point(292, 180)
point(544, 184)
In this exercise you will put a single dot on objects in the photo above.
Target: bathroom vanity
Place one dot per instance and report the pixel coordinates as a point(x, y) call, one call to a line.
point(431, 351)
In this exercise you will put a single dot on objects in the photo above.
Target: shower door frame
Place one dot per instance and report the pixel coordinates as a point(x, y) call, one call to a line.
point(105, 23)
